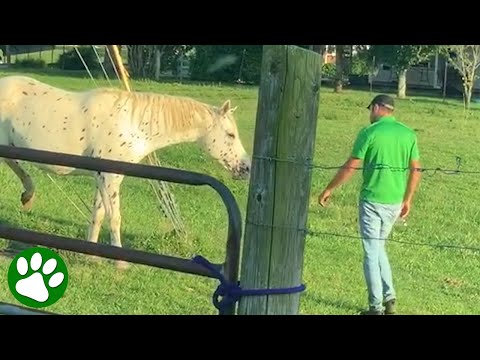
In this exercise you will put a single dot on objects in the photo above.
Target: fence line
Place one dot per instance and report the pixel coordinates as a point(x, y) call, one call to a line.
point(315, 233)
point(370, 166)
point(308, 163)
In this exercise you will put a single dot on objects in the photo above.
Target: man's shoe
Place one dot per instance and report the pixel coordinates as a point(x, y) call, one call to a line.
point(390, 308)
point(371, 311)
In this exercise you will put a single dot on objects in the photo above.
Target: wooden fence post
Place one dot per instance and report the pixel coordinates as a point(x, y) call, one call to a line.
point(279, 192)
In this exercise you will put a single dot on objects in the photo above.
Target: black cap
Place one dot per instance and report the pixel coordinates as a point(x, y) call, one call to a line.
point(383, 100)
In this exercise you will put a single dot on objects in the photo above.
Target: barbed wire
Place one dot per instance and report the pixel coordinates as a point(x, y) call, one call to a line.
point(315, 233)
point(308, 163)
point(392, 239)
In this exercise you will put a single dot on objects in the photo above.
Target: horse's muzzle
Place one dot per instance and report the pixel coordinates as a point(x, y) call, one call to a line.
point(242, 172)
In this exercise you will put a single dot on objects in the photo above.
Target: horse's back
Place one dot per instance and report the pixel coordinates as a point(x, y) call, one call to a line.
point(22, 91)
point(17, 85)
point(39, 116)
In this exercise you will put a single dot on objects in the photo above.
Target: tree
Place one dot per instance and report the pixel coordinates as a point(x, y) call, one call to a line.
point(466, 60)
point(147, 61)
point(339, 68)
point(319, 48)
point(166, 57)
point(401, 58)
point(227, 63)
point(139, 57)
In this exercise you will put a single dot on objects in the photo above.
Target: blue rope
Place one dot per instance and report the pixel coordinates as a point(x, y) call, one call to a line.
point(231, 293)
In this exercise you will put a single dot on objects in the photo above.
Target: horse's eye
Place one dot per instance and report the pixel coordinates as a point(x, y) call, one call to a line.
point(231, 135)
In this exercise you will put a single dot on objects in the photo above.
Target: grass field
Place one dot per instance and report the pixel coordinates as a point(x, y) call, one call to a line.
point(428, 280)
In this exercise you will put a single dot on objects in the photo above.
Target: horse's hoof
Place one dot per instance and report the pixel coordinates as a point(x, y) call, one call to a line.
point(27, 201)
point(121, 265)
point(94, 259)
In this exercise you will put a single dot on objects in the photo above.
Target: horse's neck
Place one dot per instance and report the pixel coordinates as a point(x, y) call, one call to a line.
point(159, 142)
point(162, 135)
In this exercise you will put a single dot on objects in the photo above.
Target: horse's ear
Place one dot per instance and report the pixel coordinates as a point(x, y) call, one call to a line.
point(225, 107)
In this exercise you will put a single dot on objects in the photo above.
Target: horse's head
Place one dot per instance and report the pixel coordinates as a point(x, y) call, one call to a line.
point(223, 143)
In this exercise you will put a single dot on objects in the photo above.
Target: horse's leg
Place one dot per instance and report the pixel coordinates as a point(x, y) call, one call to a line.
point(109, 186)
point(29, 193)
point(98, 215)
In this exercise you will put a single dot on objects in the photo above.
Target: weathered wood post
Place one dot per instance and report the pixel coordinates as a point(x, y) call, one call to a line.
point(280, 189)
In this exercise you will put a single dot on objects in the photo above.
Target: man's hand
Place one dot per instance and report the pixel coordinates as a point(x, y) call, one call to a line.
point(324, 197)
point(405, 210)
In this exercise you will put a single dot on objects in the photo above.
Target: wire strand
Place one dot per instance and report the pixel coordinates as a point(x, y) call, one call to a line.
point(317, 234)
point(308, 163)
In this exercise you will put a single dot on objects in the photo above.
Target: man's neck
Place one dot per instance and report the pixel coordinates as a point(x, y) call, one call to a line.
point(384, 117)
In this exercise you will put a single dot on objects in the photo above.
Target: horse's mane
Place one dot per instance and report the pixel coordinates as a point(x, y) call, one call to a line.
point(159, 111)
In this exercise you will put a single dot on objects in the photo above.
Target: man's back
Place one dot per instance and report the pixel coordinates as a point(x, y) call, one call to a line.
point(386, 147)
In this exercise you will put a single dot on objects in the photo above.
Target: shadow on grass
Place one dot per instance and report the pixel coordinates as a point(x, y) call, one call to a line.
point(129, 240)
point(452, 102)
point(348, 307)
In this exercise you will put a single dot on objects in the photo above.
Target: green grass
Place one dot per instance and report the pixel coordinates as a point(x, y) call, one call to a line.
point(428, 280)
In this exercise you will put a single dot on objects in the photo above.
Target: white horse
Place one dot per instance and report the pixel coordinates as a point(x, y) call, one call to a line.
point(110, 124)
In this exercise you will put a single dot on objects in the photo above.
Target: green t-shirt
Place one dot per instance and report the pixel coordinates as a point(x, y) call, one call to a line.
point(390, 145)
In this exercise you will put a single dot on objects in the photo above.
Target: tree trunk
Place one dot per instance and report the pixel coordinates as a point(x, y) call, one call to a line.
point(107, 63)
point(158, 64)
point(8, 55)
point(135, 60)
point(141, 61)
point(467, 93)
point(320, 49)
point(402, 84)
point(339, 68)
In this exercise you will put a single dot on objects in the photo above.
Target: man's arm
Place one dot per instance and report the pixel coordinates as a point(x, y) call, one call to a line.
point(413, 181)
point(343, 175)
point(357, 155)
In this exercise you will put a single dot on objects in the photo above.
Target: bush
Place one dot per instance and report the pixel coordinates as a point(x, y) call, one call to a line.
point(329, 71)
point(360, 65)
point(70, 60)
point(31, 63)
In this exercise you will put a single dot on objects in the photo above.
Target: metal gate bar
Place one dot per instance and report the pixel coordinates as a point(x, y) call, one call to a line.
point(102, 250)
point(230, 267)
point(8, 309)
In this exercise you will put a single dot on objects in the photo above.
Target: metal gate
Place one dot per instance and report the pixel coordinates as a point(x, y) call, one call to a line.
point(229, 269)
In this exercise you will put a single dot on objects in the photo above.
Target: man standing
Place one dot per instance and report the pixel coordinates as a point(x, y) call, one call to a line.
point(388, 149)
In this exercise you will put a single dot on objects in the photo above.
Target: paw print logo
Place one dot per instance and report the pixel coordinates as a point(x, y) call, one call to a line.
point(38, 277)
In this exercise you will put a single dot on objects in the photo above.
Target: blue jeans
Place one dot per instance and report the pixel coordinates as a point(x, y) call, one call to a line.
point(376, 223)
